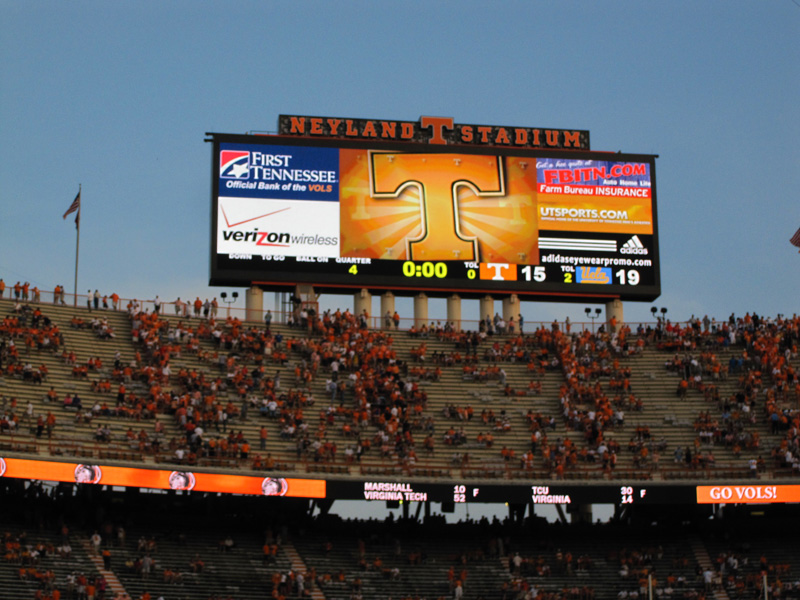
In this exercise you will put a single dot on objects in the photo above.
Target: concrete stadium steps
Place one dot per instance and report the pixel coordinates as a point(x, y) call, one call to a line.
point(240, 572)
point(85, 344)
point(428, 578)
point(669, 418)
point(749, 543)
point(672, 419)
point(12, 587)
point(603, 574)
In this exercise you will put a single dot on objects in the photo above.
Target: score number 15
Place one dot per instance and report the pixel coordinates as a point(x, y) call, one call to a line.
point(535, 274)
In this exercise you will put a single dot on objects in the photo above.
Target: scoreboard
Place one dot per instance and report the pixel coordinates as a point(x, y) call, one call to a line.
point(408, 217)
point(537, 493)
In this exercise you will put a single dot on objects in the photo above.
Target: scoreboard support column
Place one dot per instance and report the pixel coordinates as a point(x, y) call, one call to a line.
point(511, 308)
point(454, 311)
point(420, 309)
point(614, 311)
point(387, 307)
point(254, 304)
point(581, 513)
point(362, 301)
point(486, 307)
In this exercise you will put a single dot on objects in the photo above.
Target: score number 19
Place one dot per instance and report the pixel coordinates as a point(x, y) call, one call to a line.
point(631, 277)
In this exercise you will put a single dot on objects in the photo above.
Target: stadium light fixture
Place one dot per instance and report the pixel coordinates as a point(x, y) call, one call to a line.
point(654, 310)
point(224, 296)
point(592, 315)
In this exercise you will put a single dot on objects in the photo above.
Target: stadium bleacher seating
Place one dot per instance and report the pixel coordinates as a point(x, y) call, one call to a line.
point(202, 546)
point(580, 393)
point(653, 404)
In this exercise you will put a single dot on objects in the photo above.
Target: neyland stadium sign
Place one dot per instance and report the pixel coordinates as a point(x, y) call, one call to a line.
point(432, 130)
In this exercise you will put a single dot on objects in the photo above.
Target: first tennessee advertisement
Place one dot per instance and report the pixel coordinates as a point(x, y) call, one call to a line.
point(278, 201)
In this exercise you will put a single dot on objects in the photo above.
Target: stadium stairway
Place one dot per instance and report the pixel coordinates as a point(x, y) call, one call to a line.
point(704, 560)
point(299, 566)
point(114, 584)
point(428, 577)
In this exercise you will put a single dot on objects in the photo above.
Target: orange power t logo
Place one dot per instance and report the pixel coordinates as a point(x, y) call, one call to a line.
point(437, 178)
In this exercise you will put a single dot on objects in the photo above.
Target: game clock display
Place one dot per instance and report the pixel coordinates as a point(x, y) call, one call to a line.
point(344, 216)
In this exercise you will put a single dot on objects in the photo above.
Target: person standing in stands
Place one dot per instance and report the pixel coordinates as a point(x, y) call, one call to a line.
point(95, 541)
point(2, 287)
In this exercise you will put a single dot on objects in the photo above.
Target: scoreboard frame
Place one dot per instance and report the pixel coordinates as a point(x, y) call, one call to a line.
point(579, 256)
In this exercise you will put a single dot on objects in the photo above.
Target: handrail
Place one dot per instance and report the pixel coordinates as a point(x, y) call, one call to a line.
point(168, 308)
point(16, 443)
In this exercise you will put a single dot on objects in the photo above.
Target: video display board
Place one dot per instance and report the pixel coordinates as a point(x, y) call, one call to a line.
point(184, 478)
point(346, 215)
point(180, 479)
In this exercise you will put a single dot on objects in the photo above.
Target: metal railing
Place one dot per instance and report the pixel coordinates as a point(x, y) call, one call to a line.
point(187, 310)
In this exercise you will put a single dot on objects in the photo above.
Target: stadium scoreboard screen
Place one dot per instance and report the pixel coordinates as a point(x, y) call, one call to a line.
point(538, 214)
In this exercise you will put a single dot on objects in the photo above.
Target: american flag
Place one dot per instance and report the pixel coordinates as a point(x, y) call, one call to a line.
point(795, 241)
point(75, 206)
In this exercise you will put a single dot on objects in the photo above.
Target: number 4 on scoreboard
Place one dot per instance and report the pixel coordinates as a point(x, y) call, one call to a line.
point(353, 270)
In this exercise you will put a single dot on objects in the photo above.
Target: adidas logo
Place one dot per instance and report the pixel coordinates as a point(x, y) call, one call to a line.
point(633, 246)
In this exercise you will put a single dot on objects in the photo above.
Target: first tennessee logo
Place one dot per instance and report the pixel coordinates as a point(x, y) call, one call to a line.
point(234, 164)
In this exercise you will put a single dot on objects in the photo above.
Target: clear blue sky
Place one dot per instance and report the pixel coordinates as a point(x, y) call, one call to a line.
point(117, 96)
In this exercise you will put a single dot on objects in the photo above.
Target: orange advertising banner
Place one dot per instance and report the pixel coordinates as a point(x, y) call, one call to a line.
point(86, 473)
point(596, 213)
point(747, 494)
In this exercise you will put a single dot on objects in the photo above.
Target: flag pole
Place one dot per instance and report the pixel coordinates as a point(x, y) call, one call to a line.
point(77, 246)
